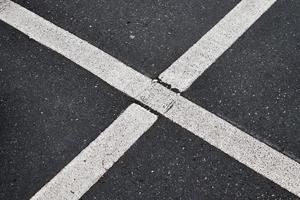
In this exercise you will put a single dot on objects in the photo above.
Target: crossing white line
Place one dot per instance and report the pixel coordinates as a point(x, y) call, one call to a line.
point(85, 169)
point(184, 71)
point(241, 146)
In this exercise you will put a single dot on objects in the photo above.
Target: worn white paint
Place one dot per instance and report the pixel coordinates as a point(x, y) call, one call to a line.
point(77, 50)
point(185, 70)
point(256, 155)
point(219, 133)
point(86, 168)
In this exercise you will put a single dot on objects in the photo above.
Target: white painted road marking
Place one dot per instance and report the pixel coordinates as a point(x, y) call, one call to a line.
point(86, 168)
point(256, 155)
point(77, 50)
point(241, 146)
point(184, 71)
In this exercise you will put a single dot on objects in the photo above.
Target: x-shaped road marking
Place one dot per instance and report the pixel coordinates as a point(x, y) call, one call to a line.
point(86, 169)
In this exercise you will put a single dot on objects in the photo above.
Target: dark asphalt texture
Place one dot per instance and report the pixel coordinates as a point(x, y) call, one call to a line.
point(256, 84)
point(146, 35)
point(50, 109)
point(168, 162)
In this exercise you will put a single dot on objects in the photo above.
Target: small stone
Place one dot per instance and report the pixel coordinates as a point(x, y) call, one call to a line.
point(131, 36)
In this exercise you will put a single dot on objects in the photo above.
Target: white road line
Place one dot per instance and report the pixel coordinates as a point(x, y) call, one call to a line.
point(184, 71)
point(221, 134)
point(77, 50)
point(86, 169)
point(241, 146)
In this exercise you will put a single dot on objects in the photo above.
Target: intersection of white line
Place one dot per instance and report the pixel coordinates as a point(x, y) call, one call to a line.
point(234, 142)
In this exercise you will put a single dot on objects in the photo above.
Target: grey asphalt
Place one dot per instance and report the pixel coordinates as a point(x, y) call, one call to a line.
point(146, 35)
point(168, 162)
point(255, 85)
point(51, 108)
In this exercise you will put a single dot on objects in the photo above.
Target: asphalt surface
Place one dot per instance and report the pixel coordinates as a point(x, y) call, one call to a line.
point(168, 162)
point(146, 35)
point(51, 108)
point(255, 84)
